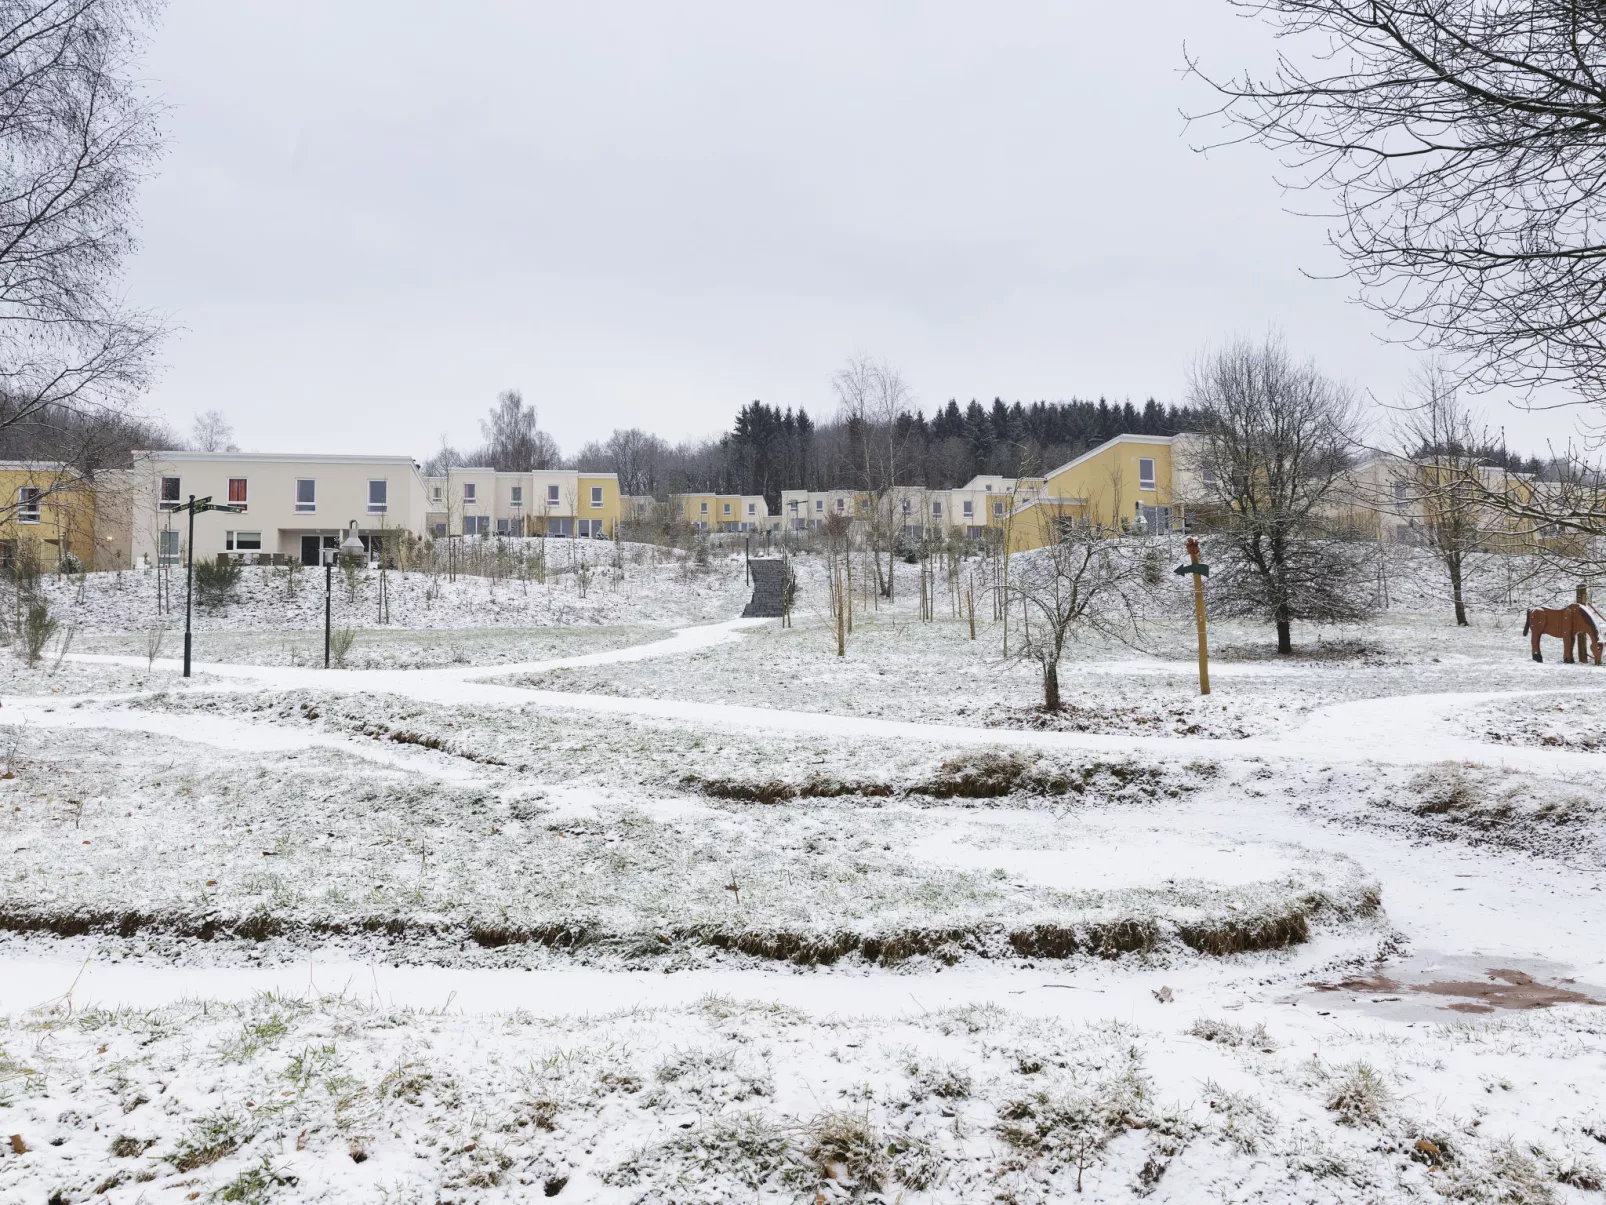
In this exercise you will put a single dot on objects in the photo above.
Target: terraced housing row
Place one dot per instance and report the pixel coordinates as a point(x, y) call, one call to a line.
point(293, 507)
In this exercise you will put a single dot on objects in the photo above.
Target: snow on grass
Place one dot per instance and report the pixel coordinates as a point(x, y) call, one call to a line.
point(657, 587)
point(410, 816)
point(899, 667)
point(1573, 717)
point(109, 835)
point(333, 1099)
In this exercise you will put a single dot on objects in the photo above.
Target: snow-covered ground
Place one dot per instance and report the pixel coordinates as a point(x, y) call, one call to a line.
point(593, 893)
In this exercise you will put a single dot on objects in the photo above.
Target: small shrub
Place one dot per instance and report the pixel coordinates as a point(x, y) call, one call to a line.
point(215, 582)
point(209, 1139)
point(351, 571)
point(1225, 1033)
point(341, 641)
point(950, 1083)
point(990, 774)
point(1359, 1096)
point(846, 1148)
point(37, 629)
point(1446, 789)
point(154, 639)
point(1153, 567)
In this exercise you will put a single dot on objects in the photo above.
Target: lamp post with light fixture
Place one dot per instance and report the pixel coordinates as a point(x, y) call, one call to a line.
point(351, 546)
point(194, 506)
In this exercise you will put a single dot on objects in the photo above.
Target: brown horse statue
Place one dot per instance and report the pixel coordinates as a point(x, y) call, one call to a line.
point(1573, 624)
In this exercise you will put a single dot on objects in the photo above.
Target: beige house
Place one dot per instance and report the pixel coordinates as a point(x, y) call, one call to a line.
point(292, 506)
point(981, 503)
point(475, 501)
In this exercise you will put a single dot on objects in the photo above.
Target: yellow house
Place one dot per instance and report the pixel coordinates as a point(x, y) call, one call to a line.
point(47, 512)
point(599, 502)
point(1124, 484)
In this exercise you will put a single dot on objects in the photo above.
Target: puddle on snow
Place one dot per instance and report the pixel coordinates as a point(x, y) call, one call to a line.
point(1458, 984)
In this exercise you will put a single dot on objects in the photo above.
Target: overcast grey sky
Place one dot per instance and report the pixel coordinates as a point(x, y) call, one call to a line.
point(375, 215)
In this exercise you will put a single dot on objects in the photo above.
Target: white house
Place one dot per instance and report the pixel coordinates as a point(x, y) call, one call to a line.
point(291, 505)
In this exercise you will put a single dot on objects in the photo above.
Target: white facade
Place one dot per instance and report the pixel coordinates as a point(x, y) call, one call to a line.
point(470, 501)
point(293, 505)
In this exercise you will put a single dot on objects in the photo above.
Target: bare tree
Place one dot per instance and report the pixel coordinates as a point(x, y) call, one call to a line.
point(79, 137)
point(514, 441)
point(211, 432)
point(444, 460)
point(1439, 477)
point(1078, 580)
point(1271, 462)
point(1464, 144)
point(634, 455)
point(874, 401)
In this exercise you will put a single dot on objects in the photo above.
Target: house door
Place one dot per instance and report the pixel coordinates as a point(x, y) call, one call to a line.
point(311, 547)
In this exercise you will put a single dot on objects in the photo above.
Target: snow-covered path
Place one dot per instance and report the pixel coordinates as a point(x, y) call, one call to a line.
point(1406, 730)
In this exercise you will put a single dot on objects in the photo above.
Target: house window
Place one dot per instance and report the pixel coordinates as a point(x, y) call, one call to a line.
point(435, 493)
point(560, 527)
point(819, 504)
point(470, 493)
point(551, 495)
point(378, 497)
point(936, 510)
point(970, 508)
point(727, 508)
point(28, 504)
point(476, 525)
point(439, 531)
point(170, 496)
point(518, 496)
point(237, 492)
point(596, 497)
point(998, 510)
point(792, 506)
point(907, 506)
point(1208, 475)
point(306, 495)
point(242, 541)
point(1145, 473)
point(1399, 491)
point(167, 547)
point(704, 508)
point(752, 508)
point(591, 528)
point(841, 505)
point(504, 527)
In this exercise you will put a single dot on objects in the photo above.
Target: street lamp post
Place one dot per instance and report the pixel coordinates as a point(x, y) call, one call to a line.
point(194, 506)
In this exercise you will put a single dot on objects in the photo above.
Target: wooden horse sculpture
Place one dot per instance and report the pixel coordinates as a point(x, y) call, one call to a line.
point(1573, 624)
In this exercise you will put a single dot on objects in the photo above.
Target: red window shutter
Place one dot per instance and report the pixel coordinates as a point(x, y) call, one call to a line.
point(236, 489)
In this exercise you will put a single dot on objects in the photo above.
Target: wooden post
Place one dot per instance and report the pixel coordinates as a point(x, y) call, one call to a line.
point(1582, 595)
point(1199, 617)
point(841, 630)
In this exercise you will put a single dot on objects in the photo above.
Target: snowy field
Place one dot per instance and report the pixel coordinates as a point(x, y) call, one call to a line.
point(582, 888)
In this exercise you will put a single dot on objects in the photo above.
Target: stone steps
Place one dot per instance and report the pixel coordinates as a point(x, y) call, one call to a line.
point(769, 598)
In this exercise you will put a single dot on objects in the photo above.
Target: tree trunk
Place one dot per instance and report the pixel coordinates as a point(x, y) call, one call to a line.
point(1285, 634)
point(1051, 686)
point(1455, 591)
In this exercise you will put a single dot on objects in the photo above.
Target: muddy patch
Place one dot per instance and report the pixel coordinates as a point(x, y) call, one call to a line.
point(1466, 985)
